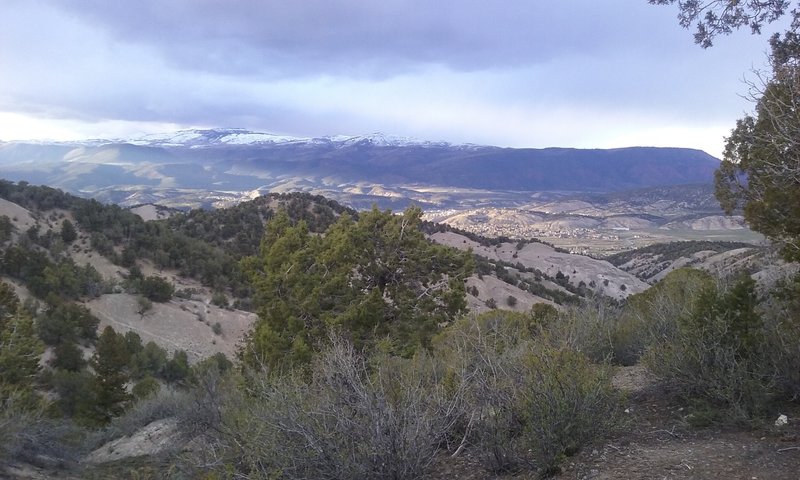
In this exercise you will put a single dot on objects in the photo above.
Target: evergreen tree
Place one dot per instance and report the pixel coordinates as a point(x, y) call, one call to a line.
point(76, 395)
point(177, 368)
point(157, 289)
point(20, 348)
point(20, 351)
point(149, 361)
point(68, 232)
point(66, 322)
point(372, 279)
point(109, 361)
point(68, 357)
point(6, 228)
point(9, 302)
point(760, 172)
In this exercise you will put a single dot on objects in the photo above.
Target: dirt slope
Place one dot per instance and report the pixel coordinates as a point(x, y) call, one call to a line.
point(177, 324)
point(608, 278)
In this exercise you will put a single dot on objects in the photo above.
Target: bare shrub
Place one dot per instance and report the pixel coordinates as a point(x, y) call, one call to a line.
point(476, 350)
point(164, 403)
point(566, 401)
point(586, 328)
point(781, 315)
point(28, 434)
point(347, 421)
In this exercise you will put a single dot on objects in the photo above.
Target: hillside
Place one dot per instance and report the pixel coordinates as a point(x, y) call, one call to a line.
point(544, 329)
point(198, 251)
point(596, 275)
point(654, 262)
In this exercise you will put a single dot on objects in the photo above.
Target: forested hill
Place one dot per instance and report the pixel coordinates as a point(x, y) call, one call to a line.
point(205, 245)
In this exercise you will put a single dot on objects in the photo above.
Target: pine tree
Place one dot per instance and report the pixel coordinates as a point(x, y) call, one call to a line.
point(109, 361)
point(20, 351)
point(20, 348)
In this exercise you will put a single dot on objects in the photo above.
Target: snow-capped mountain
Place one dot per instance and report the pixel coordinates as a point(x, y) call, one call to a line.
point(211, 137)
point(198, 138)
point(385, 140)
point(221, 137)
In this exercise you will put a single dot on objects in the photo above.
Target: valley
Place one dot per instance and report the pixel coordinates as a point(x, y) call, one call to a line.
point(591, 201)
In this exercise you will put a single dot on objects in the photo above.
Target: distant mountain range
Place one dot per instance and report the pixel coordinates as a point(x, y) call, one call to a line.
point(235, 160)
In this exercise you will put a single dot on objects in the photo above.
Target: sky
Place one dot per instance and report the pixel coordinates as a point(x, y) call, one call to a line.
point(517, 73)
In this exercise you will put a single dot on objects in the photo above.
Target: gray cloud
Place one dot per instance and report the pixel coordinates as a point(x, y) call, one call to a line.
point(510, 72)
point(358, 37)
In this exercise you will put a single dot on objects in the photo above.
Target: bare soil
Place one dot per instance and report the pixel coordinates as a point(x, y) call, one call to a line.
point(492, 287)
point(177, 324)
point(610, 279)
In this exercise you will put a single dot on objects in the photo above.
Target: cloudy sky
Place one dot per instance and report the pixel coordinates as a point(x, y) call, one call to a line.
point(579, 73)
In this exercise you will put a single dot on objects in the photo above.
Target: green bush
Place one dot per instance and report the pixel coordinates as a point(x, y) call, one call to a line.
point(157, 289)
point(531, 398)
point(219, 299)
point(566, 401)
point(716, 356)
point(653, 315)
point(144, 305)
point(145, 387)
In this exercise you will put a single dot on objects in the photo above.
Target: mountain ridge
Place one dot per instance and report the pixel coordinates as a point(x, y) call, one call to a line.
point(241, 160)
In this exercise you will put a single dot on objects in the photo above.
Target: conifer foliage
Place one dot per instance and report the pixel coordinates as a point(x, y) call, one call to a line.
point(109, 360)
point(20, 348)
point(375, 279)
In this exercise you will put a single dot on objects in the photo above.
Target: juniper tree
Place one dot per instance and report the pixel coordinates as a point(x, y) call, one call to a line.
point(376, 279)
